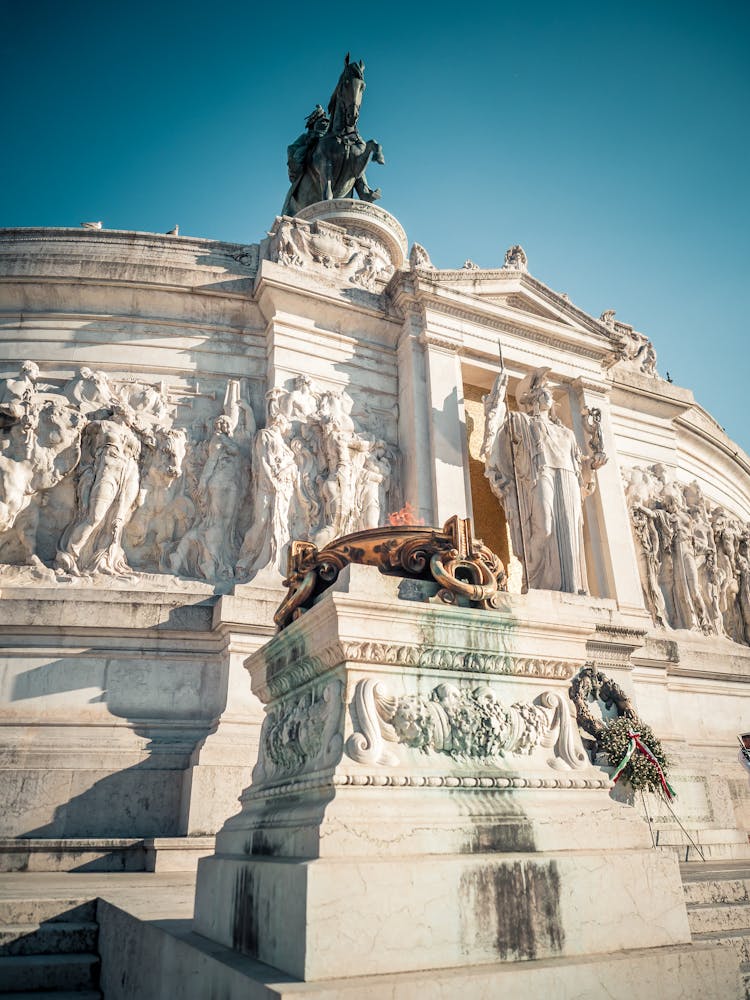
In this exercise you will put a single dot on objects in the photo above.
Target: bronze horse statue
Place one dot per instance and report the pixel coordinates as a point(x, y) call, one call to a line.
point(329, 159)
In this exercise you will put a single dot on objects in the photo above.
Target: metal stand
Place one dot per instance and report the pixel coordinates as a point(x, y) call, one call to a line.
point(677, 818)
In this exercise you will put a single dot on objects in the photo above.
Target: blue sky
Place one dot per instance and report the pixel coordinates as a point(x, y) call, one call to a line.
point(610, 140)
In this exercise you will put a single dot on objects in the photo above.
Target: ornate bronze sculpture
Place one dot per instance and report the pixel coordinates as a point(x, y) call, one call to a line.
point(330, 157)
point(461, 564)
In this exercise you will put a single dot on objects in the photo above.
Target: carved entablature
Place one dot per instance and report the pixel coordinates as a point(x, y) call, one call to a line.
point(632, 350)
point(694, 556)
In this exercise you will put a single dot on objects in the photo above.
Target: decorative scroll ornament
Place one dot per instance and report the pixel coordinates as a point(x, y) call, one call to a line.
point(448, 557)
point(466, 724)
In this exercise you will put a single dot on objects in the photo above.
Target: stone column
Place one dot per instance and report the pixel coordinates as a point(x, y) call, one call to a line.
point(609, 533)
point(413, 423)
point(449, 452)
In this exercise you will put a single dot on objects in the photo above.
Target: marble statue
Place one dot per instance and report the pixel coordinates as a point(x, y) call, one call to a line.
point(88, 391)
point(329, 159)
point(536, 470)
point(39, 449)
point(373, 485)
point(96, 469)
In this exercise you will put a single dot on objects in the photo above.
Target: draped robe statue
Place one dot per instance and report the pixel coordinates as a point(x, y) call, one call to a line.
point(537, 472)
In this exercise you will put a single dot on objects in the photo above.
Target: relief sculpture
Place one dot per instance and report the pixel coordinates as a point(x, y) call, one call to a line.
point(693, 556)
point(316, 476)
point(96, 480)
point(468, 724)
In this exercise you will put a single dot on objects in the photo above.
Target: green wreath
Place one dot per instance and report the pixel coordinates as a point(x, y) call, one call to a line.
point(640, 772)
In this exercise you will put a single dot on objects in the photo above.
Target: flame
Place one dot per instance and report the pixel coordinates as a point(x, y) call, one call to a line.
point(407, 515)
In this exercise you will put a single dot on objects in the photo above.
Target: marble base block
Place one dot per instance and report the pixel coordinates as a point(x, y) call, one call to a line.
point(349, 917)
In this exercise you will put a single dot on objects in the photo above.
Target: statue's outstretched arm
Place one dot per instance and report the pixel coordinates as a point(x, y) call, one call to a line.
point(495, 413)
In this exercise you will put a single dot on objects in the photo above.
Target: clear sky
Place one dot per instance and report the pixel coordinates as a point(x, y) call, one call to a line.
point(610, 139)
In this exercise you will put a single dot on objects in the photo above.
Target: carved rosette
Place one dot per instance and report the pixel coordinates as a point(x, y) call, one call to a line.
point(462, 565)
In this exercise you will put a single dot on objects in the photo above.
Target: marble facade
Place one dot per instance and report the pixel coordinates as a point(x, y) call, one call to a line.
point(175, 411)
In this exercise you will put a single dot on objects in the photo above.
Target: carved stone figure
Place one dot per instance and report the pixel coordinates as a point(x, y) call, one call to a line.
point(275, 484)
point(17, 393)
point(107, 491)
point(38, 451)
point(536, 470)
point(373, 485)
point(633, 349)
point(689, 555)
point(88, 391)
point(165, 512)
point(208, 549)
point(329, 251)
point(418, 257)
point(331, 162)
point(516, 259)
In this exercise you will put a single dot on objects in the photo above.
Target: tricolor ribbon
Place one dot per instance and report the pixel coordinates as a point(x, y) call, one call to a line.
point(636, 743)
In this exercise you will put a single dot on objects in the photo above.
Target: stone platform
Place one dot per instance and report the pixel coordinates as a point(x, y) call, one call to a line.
point(148, 948)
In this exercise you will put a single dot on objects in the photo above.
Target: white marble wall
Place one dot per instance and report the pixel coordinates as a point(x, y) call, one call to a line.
point(304, 386)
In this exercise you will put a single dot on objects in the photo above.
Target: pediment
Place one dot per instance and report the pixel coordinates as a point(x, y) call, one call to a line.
point(526, 304)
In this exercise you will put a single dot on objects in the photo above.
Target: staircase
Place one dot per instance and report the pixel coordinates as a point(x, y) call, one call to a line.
point(718, 904)
point(48, 948)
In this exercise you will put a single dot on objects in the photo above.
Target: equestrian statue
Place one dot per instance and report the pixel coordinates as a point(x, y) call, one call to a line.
point(330, 157)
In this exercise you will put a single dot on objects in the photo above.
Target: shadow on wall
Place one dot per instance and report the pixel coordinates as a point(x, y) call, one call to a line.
point(97, 742)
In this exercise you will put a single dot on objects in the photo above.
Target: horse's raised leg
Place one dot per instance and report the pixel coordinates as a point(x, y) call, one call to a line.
point(363, 189)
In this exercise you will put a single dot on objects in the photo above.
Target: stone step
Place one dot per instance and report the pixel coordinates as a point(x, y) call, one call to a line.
point(49, 938)
point(745, 973)
point(49, 972)
point(87, 855)
point(730, 851)
point(14, 912)
point(677, 837)
point(155, 854)
point(739, 942)
point(716, 890)
point(719, 917)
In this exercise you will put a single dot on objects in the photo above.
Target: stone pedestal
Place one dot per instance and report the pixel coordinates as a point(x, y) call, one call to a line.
point(422, 800)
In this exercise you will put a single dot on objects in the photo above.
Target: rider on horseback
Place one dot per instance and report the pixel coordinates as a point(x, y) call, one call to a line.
point(328, 160)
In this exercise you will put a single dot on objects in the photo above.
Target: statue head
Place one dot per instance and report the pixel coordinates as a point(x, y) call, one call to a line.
point(317, 120)
point(533, 393)
point(223, 425)
point(30, 370)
